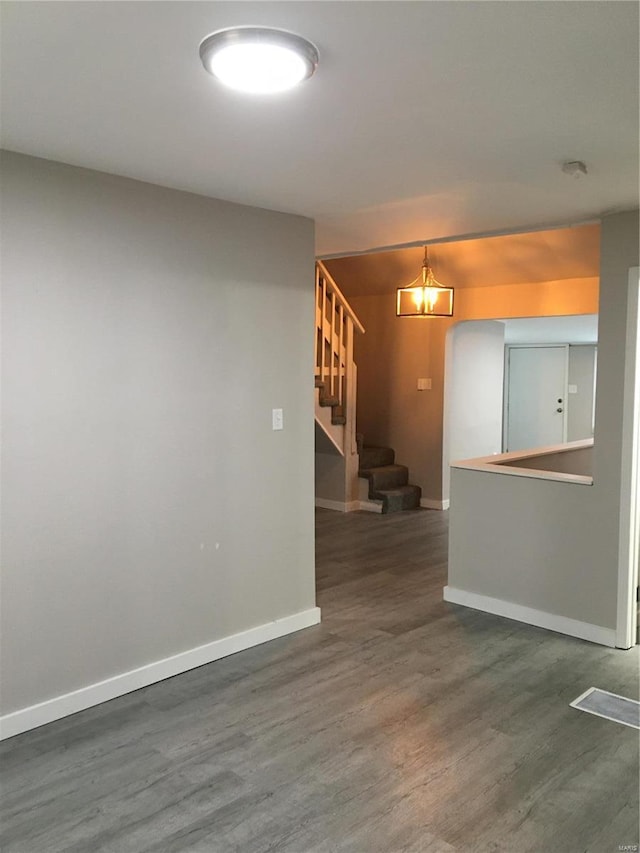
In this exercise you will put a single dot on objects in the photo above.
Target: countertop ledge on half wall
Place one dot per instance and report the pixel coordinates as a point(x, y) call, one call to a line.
point(498, 463)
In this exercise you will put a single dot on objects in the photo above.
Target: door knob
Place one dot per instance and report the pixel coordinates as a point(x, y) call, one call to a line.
point(559, 399)
point(559, 409)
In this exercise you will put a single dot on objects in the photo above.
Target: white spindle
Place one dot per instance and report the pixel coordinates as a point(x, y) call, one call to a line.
point(335, 327)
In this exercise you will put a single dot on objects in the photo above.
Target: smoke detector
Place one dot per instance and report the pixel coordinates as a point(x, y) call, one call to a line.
point(575, 168)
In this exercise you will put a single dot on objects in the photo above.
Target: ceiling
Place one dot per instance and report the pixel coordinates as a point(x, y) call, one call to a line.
point(425, 120)
point(555, 255)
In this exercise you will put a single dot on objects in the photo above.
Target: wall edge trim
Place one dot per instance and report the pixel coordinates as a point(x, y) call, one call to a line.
point(50, 710)
point(530, 616)
point(338, 506)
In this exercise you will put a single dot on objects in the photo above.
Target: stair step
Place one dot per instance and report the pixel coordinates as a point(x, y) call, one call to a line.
point(396, 500)
point(375, 457)
point(385, 477)
point(326, 400)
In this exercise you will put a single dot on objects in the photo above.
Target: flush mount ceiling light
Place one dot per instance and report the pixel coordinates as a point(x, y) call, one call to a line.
point(259, 60)
point(428, 299)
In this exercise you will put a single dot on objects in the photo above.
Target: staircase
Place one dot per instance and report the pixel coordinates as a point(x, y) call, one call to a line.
point(373, 482)
point(388, 483)
point(336, 371)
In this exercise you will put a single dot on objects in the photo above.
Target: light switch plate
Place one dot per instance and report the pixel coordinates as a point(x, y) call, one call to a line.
point(277, 419)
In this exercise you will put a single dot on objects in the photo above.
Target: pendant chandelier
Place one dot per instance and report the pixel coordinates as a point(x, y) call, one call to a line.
point(427, 299)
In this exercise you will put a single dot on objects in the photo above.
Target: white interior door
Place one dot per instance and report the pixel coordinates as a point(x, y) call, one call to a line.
point(536, 395)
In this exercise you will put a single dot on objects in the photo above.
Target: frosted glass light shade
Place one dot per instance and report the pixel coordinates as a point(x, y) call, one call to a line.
point(258, 60)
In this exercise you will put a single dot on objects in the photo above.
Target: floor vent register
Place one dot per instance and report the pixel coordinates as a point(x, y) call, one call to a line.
point(610, 706)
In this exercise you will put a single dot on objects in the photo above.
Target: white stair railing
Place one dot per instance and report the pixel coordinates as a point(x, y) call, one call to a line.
point(336, 325)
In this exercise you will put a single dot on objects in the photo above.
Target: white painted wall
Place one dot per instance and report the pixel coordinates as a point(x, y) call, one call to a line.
point(548, 546)
point(580, 399)
point(474, 377)
point(577, 328)
point(148, 506)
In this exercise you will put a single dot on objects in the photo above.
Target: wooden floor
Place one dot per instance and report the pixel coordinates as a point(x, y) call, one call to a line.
point(400, 724)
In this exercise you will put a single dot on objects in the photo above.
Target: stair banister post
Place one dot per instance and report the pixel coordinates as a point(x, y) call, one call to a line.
point(321, 296)
point(341, 360)
point(332, 348)
point(350, 389)
point(317, 338)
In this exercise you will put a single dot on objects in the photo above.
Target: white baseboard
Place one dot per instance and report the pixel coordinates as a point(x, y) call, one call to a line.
point(351, 506)
point(539, 618)
point(86, 697)
point(338, 506)
point(370, 506)
point(427, 503)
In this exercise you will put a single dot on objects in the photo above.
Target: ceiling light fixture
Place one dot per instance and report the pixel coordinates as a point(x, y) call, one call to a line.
point(259, 60)
point(428, 299)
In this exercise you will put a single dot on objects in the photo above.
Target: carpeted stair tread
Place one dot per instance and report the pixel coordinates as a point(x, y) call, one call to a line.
point(395, 500)
point(326, 400)
point(385, 477)
point(376, 457)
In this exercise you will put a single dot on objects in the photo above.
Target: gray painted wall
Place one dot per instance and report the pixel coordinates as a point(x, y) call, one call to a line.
point(530, 542)
point(330, 473)
point(148, 333)
point(548, 545)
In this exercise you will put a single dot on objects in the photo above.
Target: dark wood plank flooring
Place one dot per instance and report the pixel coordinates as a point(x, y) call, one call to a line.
point(400, 725)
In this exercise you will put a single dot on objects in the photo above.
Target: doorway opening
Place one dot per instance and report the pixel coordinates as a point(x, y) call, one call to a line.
point(483, 397)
